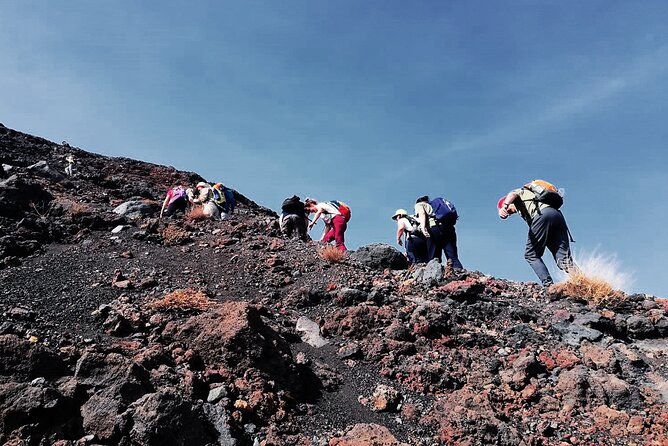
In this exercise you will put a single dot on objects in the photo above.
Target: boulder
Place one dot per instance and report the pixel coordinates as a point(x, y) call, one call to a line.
point(380, 256)
point(165, 418)
point(234, 336)
point(432, 272)
point(137, 208)
point(18, 195)
point(21, 358)
point(43, 169)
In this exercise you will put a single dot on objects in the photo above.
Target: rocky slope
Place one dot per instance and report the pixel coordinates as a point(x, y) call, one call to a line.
point(278, 346)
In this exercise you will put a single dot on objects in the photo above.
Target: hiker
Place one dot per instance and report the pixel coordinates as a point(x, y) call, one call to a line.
point(335, 214)
point(227, 203)
point(538, 203)
point(204, 197)
point(437, 223)
point(293, 219)
point(69, 169)
point(409, 228)
point(175, 201)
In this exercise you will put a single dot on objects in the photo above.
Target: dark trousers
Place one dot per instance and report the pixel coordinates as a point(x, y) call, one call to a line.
point(416, 249)
point(548, 230)
point(178, 205)
point(443, 238)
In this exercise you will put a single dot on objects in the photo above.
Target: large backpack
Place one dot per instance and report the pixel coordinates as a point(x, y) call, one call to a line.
point(445, 212)
point(343, 209)
point(218, 197)
point(545, 193)
point(292, 205)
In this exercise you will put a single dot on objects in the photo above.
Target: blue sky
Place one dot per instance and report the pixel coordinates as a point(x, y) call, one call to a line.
point(374, 103)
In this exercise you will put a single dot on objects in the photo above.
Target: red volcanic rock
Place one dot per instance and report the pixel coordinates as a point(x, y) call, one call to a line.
point(366, 435)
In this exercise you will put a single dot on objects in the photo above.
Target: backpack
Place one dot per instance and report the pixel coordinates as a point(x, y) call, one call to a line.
point(178, 192)
point(292, 205)
point(343, 209)
point(218, 197)
point(445, 212)
point(415, 223)
point(545, 193)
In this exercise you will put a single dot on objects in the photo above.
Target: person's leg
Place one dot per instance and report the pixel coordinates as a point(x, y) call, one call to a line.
point(435, 244)
point(420, 249)
point(300, 226)
point(340, 226)
point(559, 243)
point(410, 250)
point(535, 249)
point(450, 246)
point(328, 235)
point(287, 226)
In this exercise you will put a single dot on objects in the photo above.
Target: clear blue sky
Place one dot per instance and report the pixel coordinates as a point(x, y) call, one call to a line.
point(374, 103)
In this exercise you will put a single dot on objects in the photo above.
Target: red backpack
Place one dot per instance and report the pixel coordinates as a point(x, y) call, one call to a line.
point(343, 209)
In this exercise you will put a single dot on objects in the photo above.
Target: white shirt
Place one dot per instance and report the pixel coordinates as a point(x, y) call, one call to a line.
point(328, 211)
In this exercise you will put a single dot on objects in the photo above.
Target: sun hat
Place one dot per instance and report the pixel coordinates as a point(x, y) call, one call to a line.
point(398, 213)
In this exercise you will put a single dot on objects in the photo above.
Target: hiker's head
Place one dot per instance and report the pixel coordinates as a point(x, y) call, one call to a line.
point(399, 213)
point(424, 199)
point(309, 204)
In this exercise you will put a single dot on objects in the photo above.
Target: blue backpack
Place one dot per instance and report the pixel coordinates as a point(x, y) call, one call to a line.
point(445, 212)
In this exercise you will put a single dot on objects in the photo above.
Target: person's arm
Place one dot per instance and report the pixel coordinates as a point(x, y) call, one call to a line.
point(510, 199)
point(164, 205)
point(315, 219)
point(400, 232)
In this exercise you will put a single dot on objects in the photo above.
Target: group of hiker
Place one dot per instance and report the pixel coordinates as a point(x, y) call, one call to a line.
point(429, 233)
point(294, 219)
point(216, 201)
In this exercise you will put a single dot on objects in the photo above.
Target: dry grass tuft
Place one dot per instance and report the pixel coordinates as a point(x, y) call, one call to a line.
point(196, 214)
point(331, 253)
point(184, 299)
point(580, 285)
point(80, 209)
point(173, 235)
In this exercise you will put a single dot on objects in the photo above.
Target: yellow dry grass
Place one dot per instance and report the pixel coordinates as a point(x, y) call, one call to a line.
point(331, 254)
point(580, 285)
point(196, 213)
point(183, 299)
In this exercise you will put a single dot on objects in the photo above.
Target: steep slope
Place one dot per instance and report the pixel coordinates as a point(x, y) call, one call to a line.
point(91, 354)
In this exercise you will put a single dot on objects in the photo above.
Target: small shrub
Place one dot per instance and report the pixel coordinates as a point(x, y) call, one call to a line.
point(173, 235)
point(184, 299)
point(331, 254)
point(196, 214)
point(592, 288)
